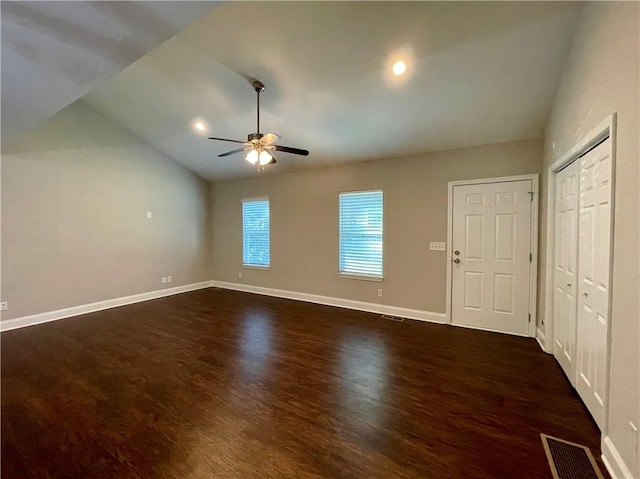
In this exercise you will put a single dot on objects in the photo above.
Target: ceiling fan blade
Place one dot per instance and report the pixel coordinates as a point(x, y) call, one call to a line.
point(288, 149)
point(269, 138)
point(232, 152)
point(225, 139)
point(273, 160)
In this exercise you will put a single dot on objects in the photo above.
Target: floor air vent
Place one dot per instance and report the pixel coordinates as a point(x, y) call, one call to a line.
point(568, 460)
point(392, 318)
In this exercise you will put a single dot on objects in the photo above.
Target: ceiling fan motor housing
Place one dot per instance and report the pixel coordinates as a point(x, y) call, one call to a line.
point(254, 136)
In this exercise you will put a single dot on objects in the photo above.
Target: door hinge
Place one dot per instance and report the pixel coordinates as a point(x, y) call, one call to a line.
point(530, 257)
point(531, 193)
point(529, 317)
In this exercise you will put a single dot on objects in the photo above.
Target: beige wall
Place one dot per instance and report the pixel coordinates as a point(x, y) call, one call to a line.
point(75, 193)
point(600, 78)
point(304, 222)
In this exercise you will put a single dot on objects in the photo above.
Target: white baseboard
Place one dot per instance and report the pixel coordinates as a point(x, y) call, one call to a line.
point(542, 340)
point(613, 461)
point(488, 330)
point(31, 320)
point(339, 302)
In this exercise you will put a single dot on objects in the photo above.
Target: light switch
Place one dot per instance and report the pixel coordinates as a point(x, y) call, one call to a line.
point(438, 246)
point(149, 214)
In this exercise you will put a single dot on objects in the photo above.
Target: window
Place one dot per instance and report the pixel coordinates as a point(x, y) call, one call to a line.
point(361, 234)
point(255, 233)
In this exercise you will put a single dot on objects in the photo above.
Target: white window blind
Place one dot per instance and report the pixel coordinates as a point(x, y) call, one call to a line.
point(361, 233)
point(255, 233)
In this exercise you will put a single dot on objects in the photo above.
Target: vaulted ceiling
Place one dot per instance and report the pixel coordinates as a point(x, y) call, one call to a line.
point(55, 52)
point(478, 73)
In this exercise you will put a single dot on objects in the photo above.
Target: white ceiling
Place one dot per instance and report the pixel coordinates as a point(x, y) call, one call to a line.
point(55, 52)
point(479, 73)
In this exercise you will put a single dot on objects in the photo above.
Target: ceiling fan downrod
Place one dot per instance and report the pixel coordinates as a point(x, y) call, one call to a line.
point(258, 86)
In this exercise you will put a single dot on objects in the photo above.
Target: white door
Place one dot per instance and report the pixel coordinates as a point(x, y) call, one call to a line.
point(565, 266)
point(594, 262)
point(491, 256)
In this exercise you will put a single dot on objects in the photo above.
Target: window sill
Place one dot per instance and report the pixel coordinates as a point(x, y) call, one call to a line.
point(255, 266)
point(361, 277)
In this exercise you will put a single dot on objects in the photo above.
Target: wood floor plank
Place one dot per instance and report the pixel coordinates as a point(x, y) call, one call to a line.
point(222, 384)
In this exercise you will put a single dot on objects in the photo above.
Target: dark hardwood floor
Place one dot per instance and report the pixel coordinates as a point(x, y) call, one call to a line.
point(220, 384)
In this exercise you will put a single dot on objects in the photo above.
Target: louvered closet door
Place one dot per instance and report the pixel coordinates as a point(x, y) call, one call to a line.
point(594, 263)
point(565, 266)
point(490, 254)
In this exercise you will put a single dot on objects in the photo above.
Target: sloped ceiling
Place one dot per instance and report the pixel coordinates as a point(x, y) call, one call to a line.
point(55, 52)
point(479, 73)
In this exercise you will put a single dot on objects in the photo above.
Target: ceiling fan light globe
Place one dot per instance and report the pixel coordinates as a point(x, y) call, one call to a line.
point(252, 157)
point(265, 158)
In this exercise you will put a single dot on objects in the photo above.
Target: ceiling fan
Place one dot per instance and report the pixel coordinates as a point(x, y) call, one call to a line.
point(260, 147)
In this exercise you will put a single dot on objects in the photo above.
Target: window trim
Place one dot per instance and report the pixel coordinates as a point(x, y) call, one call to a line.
point(363, 276)
point(258, 267)
point(251, 200)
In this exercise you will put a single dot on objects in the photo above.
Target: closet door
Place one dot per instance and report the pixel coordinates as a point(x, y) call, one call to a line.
point(565, 268)
point(594, 266)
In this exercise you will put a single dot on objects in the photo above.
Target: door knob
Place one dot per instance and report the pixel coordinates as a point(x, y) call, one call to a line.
point(456, 261)
point(568, 285)
point(456, 252)
point(584, 293)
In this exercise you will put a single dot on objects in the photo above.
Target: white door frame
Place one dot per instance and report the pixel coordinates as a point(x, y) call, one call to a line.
point(533, 269)
point(592, 138)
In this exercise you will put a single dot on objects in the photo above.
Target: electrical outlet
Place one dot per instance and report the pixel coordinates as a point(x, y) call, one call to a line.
point(379, 292)
point(4, 306)
point(239, 274)
point(164, 279)
point(169, 279)
point(438, 246)
point(149, 214)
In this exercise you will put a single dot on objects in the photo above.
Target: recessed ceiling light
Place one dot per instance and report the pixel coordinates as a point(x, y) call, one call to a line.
point(399, 67)
point(199, 126)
